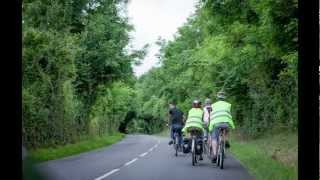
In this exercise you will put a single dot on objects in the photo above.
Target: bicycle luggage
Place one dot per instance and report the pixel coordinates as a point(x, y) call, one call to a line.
point(199, 147)
point(186, 145)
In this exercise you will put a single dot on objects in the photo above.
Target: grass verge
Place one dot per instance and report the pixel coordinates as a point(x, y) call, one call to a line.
point(274, 156)
point(45, 154)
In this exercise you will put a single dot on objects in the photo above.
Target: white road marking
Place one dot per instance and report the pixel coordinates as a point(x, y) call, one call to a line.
point(107, 174)
point(153, 147)
point(128, 163)
point(143, 154)
point(133, 160)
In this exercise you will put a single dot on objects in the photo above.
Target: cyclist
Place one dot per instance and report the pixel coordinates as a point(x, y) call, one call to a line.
point(194, 120)
point(176, 119)
point(220, 117)
point(206, 116)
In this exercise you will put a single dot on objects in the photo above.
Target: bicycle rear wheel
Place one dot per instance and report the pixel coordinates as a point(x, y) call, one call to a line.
point(176, 145)
point(218, 157)
point(221, 154)
point(210, 153)
point(207, 150)
point(221, 158)
point(194, 159)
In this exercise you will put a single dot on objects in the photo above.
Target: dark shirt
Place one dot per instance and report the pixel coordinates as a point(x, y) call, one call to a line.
point(176, 116)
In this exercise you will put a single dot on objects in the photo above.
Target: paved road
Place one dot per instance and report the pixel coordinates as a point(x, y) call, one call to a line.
point(140, 157)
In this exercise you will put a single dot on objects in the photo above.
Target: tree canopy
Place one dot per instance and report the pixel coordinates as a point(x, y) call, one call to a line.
point(78, 79)
point(247, 48)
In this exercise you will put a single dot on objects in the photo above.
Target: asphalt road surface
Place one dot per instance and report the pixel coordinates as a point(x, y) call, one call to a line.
point(140, 157)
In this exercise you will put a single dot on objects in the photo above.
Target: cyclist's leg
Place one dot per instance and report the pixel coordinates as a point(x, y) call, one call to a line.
point(227, 138)
point(214, 141)
point(179, 131)
point(171, 134)
point(174, 131)
point(209, 139)
point(205, 137)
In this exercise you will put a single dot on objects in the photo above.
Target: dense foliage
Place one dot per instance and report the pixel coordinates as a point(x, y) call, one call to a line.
point(78, 79)
point(77, 74)
point(247, 48)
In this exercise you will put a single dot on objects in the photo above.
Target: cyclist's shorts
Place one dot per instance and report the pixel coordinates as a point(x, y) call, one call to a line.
point(176, 127)
point(215, 131)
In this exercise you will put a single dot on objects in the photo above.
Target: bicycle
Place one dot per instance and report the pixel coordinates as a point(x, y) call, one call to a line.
point(195, 146)
point(221, 147)
point(176, 145)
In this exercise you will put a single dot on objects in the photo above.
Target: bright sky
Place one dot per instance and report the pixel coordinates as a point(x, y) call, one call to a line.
point(154, 18)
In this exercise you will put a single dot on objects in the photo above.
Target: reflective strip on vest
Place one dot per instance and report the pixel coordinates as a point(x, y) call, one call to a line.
point(195, 117)
point(220, 113)
point(215, 112)
point(194, 121)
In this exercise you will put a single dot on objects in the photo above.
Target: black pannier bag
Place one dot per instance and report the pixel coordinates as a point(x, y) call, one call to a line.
point(199, 147)
point(186, 147)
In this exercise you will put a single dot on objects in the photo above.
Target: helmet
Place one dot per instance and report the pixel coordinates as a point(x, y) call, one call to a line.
point(221, 95)
point(208, 101)
point(173, 102)
point(196, 104)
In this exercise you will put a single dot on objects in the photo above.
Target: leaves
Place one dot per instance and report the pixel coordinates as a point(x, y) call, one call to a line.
point(77, 74)
point(248, 48)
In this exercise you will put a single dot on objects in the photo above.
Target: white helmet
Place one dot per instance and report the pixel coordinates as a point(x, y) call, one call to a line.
point(221, 95)
point(208, 101)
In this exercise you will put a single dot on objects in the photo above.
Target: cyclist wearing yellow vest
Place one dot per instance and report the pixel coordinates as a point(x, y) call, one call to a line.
point(220, 117)
point(194, 120)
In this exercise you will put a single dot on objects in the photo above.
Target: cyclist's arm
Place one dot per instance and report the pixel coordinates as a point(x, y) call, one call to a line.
point(202, 116)
point(209, 112)
point(232, 124)
point(231, 121)
point(169, 118)
point(185, 118)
